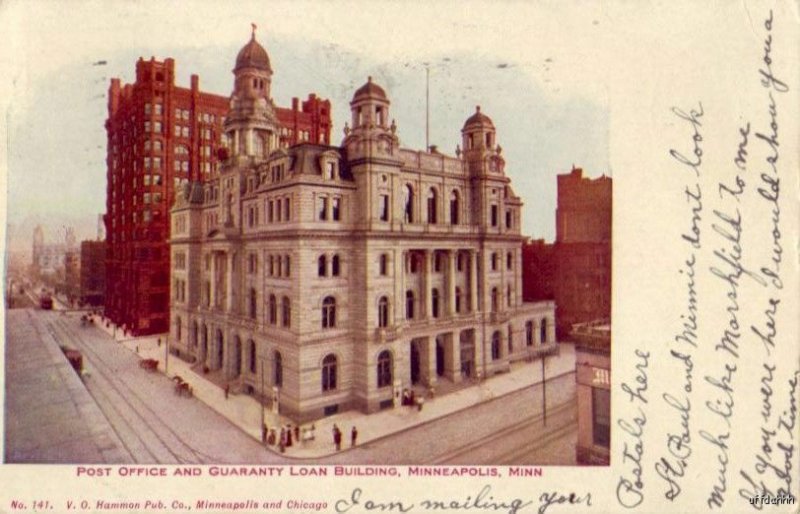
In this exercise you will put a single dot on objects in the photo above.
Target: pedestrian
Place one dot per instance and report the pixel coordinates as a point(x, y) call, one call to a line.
point(337, 438)
point(159, 342)
point(288, 436)
point(297, 432)
point(264, 432)
point(227, 390)
point(353, 436)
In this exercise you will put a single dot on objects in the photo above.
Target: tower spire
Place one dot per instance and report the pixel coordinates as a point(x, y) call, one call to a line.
point(254, 27)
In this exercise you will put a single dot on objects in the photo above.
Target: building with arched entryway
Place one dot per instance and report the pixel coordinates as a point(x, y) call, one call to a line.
point(356, 270)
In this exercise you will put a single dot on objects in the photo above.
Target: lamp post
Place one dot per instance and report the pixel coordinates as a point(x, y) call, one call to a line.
point(544, 392)
point(263, 398)
point(166, 355)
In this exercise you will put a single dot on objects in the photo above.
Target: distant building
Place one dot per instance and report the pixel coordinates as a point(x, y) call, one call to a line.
point(93, 272)
point(49, 259)
point(576, 269)
point(593, 376)
point(337, 276)
point(161, 136)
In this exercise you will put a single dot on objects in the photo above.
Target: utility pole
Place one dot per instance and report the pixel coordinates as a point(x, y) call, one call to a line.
point(166, 355)
point(544, 392)
point(427, 106)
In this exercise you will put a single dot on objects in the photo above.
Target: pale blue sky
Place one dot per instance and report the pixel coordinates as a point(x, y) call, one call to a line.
point(545, 119)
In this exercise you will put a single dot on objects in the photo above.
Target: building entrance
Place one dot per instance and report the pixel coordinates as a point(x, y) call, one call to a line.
point(414, 362)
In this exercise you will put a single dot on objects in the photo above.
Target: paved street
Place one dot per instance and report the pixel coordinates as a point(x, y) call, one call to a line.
point(151, 424)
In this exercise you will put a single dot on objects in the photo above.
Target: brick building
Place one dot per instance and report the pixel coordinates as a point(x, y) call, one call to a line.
point(576, 269)
point(93, 272)
point(340, 275)
point(159, 137)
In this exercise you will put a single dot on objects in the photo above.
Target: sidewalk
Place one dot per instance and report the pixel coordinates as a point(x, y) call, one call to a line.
point(245, 411)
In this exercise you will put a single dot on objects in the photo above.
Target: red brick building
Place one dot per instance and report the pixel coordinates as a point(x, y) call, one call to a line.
point(161, 136)
point(576, 269)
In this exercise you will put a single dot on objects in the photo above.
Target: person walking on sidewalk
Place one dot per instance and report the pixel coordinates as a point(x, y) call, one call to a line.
point(353, 436)
point(227, 390)
point(337, 437)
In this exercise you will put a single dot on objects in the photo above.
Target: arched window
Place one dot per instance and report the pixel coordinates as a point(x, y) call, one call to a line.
point(252, 303)
point(409, 204)
point(458, 300)
point(322, 266)
point(273, 310)
point(329, 312)
point(329, 372)
point(286, 310)
point(529, 333)
point(409, 304)
point(277, 370)
point(494, 299)
point(385, 369)
point(454, 207)
point(251, 355)
point(383, 312)
point(435, 303)
point(335, 268)
point(543, 331)
point(431, 200)
point(495, 346)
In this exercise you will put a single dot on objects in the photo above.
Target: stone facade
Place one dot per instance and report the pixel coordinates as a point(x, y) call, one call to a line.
point(331, 278)
point(593, 377)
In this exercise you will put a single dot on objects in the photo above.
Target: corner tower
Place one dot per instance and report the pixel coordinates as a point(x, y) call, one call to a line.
point(371, 133)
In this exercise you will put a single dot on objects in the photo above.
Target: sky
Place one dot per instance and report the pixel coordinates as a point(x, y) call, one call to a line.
point(532, 69)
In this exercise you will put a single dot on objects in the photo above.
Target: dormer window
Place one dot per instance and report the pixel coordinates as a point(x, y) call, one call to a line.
point(330, 170)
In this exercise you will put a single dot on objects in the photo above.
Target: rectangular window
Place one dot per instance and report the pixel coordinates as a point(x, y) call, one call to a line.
point(384, 206)
point(508, 219)
point(322, 208)
point(335, 209)
point(286, 209)
point(270, 211)
point(494, 216)
point(601, 417)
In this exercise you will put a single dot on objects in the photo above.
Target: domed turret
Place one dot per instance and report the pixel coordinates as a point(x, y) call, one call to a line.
point(369, 91)
point(478, 120)
point(370, 106)
point(478, 132)
point(253, 55)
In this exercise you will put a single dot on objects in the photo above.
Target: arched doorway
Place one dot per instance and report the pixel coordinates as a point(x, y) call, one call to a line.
point(414, 362)
point(237, 356)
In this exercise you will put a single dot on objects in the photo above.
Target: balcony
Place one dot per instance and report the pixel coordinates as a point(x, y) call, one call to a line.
point(499, 317)
point(388, 334)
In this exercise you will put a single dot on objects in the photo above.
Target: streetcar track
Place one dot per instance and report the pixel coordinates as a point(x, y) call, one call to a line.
point(194, 456)
point(509, 429)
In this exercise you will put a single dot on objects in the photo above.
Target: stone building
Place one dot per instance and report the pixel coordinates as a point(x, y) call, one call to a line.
point(593, 377)
point(576, 269)
point(339, 275)
point(161, 136)
point(93, 272)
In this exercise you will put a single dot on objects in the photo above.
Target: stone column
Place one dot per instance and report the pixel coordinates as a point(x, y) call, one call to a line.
point(452, 357)
point(473, 280)
point(451, 284)
point(427, 360)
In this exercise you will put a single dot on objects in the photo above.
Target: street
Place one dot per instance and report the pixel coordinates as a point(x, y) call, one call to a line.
point(154, 425)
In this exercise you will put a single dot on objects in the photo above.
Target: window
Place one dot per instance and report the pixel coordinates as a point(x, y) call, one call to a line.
point(277, 370)
point(409, 204)
point(252, 263)
point(543, 331)
point(437, 262)
point(286, 311)
point(287, 209)
point(494, 299)
point(383, 265)
point(509, 261)
point(601, 422)
point(384, 208)
point(509, 219)
point(252, 303)
point(335, 268)
point(335, 209)
point(322, 208)
point(329, 312)
point(330, 170)
point(431, 205)
point(322, 267)
point(329, 372)
point(458, 300)
point(510, 340)
point(251, 355)
point(287, 266)
point(494, 261)
point(273, 310)
point(435, 303)
point(384, 369)
point(409, 304)
point(495, 346)
point(529, 333)
point(383, 312)
point(494, 216)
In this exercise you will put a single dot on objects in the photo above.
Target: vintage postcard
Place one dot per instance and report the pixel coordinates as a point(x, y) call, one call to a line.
point(400, 257)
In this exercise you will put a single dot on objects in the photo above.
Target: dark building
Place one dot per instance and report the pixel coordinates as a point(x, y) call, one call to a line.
point(576, 269)
point(93, 272)
point(161, 136)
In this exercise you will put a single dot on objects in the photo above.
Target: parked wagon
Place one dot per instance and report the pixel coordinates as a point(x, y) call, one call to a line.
point(148, 364)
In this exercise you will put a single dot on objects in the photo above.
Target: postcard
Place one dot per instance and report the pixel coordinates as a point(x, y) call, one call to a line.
point(400, 257)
